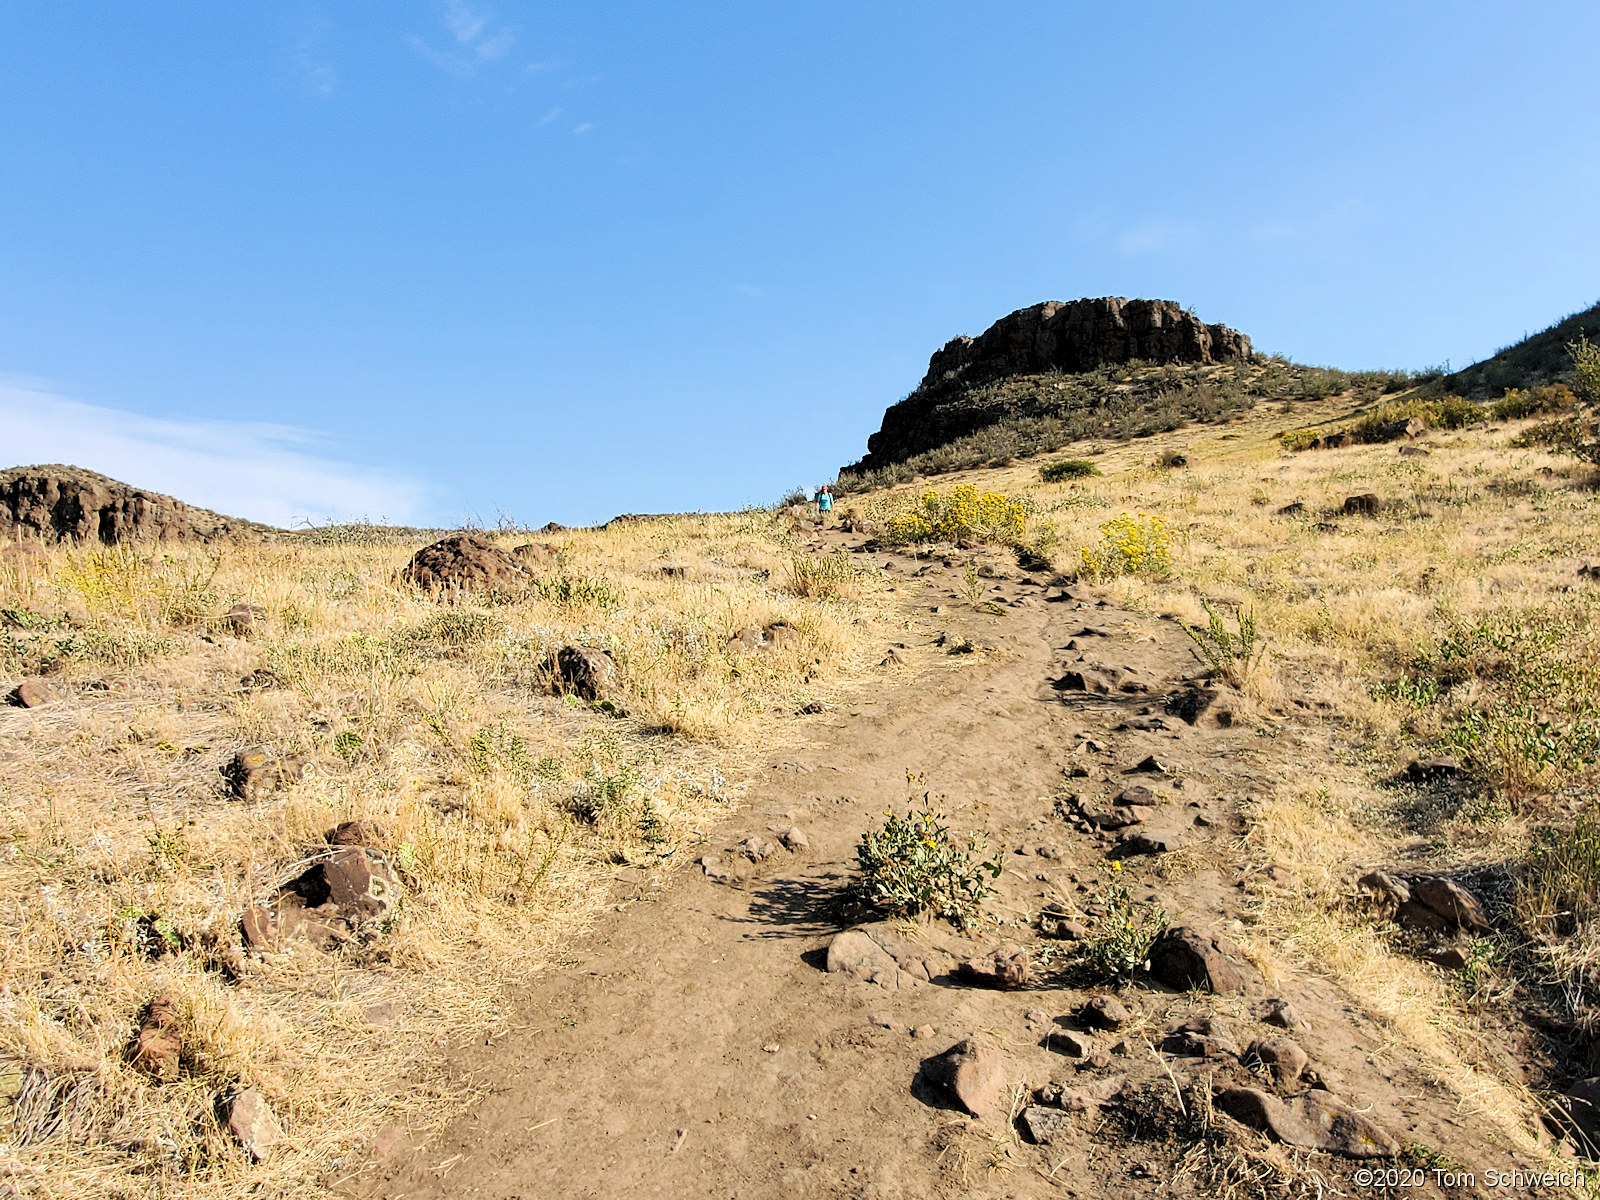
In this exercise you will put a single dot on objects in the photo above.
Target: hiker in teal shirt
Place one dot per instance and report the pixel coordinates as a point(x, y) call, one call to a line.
point(824, 501)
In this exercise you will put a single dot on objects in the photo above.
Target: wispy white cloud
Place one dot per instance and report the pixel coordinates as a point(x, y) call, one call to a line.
point(1147, 237)
point(264, 472)
point(477, 40)
point(580, 130)
point(317, 74)
point(550, 116)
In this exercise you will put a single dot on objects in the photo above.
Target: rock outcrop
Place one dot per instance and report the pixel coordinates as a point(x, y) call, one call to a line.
point(56, 503)
point(1051, 337)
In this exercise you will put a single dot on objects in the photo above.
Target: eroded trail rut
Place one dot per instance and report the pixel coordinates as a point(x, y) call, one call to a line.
point(697, 1046)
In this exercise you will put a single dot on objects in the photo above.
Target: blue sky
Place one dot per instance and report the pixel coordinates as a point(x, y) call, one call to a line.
point(434, 261)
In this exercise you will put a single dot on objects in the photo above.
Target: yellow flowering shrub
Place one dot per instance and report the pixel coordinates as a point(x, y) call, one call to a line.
point(961, 513)
point(1129, 545)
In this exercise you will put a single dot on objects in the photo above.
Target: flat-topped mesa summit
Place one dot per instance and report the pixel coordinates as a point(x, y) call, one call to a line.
point(1048, 338)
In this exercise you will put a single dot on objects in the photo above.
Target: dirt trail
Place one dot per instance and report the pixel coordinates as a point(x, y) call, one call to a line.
point(698, 1047)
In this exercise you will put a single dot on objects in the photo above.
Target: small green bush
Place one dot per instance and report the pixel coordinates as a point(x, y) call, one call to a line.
point(1119, 944)
point(1071, 468)
point(912, 866)
point(1231, 654)
point(1519, 403)
point(575, 591)
point(1585, 357)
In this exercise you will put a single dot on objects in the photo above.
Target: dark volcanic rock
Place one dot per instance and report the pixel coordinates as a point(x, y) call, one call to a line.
point(59, 503)
point(1050, 337)
point(464, 562)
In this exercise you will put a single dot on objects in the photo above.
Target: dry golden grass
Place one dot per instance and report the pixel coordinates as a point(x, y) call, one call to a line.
point(506, 809)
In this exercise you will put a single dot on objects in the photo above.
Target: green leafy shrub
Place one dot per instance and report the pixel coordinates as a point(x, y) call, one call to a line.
point(1585, 357)
point(577, 591)
point(1070, 468)
point(1119, 944)
point(1519, 403)
point(912, 865)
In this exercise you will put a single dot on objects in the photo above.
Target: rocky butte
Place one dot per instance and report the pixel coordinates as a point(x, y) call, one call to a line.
point(1045, 339)
point(56, 503)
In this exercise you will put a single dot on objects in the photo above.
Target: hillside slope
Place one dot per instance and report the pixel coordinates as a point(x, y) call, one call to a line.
point(1538, 359)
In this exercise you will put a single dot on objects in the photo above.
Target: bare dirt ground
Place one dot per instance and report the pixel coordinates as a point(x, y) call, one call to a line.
point(695, 1045)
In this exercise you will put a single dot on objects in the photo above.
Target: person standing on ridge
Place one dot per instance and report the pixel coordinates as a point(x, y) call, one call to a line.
point(824, 502)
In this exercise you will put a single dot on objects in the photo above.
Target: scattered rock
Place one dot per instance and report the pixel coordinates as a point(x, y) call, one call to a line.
point(1139, 794)
point(781, 635)
point(1200, 1037)
point(1150, 765)
point(873, 954)
point(260, 680)
point(31, 693)
point(252, 1121)
point(158, 1047)
point(1044, 1125)
point(1459, 907)
point(923, 1032)
point(1083, 681)
point(893, 659)
point(350, 892)
point(1365, 505)
point(360, 832)
point(585, 672)
point(794, 839)
point(972, 1072)
point(464, 562)
point(1413, 914)
point(254, 772)
point(1451, 958)
point(1278, 1011)
point(1578, 1114)
point(881, 1020)
point(757, 849)
point(1191, 704)
point(1007, 967)
point(242, 619)
point(1292, 510)
point(1315, 1121)
point(1413, 452)
point(1064, 928)
point(1105, 1012)
point(1284, 1057)
point(1092, 1095)
point(1185, 958)
point(1070, 1042)
point(1152, 841)
point(743, 641)
point(1385, 887)
point(1432, 770)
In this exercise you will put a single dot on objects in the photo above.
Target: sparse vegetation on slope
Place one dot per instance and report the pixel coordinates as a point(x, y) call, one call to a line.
point(498, 790)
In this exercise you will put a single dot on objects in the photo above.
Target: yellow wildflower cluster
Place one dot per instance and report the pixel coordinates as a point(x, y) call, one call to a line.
point(1130, 545)
point(963, 513)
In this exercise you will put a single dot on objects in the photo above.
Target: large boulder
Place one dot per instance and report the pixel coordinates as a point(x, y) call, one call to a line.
point(1314, 1121)
point(465, 562)
point(1185, 958)
point(971, 1072)
point(584, 671)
